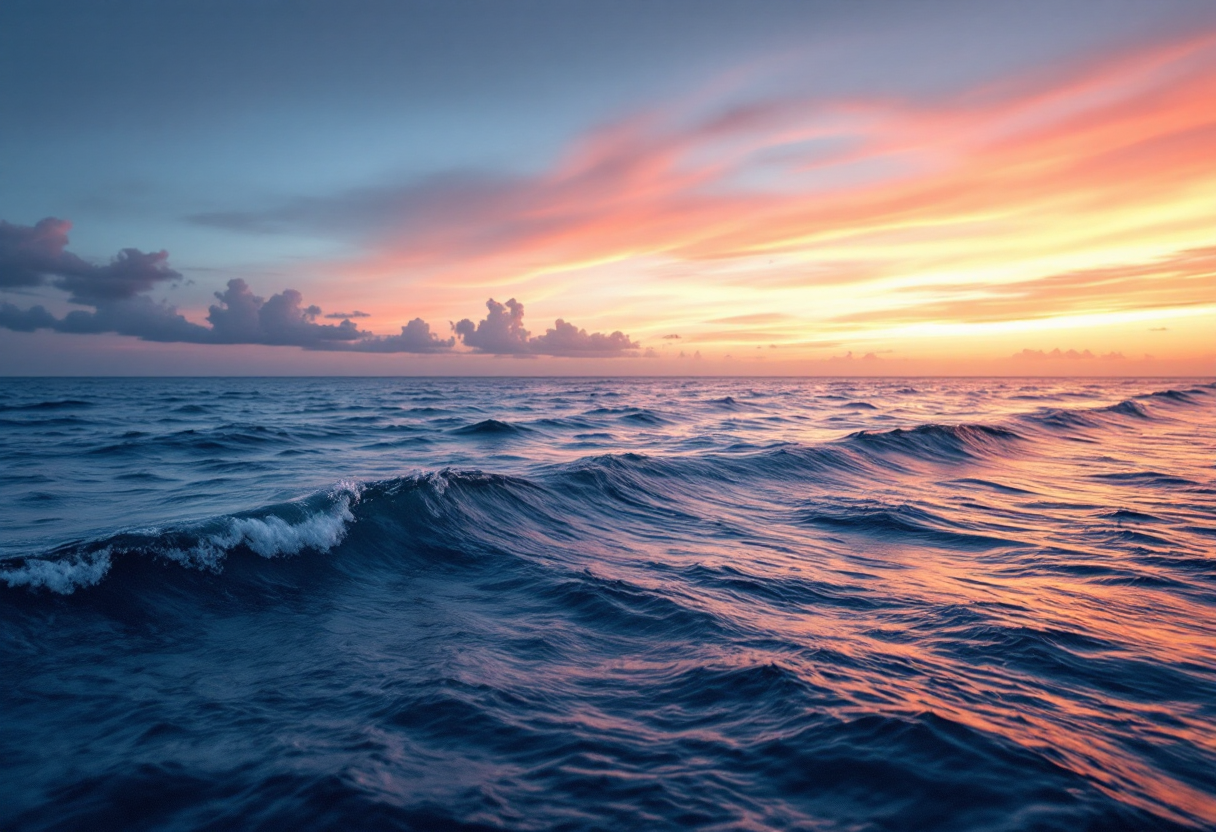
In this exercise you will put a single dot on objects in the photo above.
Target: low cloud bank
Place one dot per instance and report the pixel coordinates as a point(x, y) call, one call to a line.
point(36, 256)
point(1070, 355)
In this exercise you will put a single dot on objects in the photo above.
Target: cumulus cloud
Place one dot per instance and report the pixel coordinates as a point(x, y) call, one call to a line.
point(416, 336)
point(33, 255)
point(567, 339)
point(140, 317)
point(502, 332)
point(37, 255)
point(244, 318)
point(25, 320)
point(29, 254)
point(128, 274)
point(240, 317)
point(338, 316)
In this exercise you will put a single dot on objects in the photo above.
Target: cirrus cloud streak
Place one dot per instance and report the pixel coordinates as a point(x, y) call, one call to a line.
point(988, 203)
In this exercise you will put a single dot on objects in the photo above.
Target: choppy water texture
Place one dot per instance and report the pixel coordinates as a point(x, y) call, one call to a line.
point(607, 604)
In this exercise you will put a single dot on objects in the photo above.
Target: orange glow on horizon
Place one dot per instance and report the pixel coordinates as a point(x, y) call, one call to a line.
point(1077, 201)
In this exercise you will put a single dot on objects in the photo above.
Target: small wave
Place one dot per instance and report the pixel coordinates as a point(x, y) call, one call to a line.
point(886, 521)
point(43, 422)
point(1153, 478)
point(1063, 418)
point(490, 427)
point(612, 411)
point(1126, 408)
point(929, 441)
point(1096, 417)
point(565, 423)
point(61, 404)
point(858, 406)
point(1124, 515)
point(1172, 395)
point(645, 417)
point(988, 484)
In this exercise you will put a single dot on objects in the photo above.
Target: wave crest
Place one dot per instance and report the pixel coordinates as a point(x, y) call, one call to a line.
point(937, 441)
point(317, 523)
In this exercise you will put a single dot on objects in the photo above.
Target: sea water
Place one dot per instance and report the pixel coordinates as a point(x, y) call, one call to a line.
point(612, 604)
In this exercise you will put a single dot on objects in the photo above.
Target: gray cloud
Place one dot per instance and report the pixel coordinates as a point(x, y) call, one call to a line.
point(28, 254)
point(502, 332)
point(567, 339)
point(32, 255)
point(140, 317)
point(416, 336)
point(338, 316)
point(240, 317)
point(37, 255)
point(244, 318)
point(25, 320)
point(128, 274)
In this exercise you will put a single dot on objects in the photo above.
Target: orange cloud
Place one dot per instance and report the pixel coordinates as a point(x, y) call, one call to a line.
point(1139, 127)
point(1187, 278)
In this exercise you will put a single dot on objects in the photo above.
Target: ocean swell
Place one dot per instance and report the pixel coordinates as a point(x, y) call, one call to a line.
point(962, 607)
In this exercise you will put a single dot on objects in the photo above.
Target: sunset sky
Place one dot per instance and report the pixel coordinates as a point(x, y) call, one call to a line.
point(820, 188)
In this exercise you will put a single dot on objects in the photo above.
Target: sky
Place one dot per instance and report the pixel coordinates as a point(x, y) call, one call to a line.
point(628, 188)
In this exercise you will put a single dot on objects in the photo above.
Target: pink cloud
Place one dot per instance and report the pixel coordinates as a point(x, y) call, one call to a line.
point(785, 174)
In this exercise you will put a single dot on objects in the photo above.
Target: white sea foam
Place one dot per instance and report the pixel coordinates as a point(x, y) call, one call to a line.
point(269, 536)
point(62, 576)
point(272, 536)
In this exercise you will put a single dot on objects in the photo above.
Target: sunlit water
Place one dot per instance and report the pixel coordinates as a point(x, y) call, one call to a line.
point(607, 604)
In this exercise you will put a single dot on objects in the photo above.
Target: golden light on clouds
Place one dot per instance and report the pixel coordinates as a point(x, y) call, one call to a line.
point(1072, 201)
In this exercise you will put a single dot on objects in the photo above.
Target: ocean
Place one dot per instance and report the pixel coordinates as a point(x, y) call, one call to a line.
point(568, 604)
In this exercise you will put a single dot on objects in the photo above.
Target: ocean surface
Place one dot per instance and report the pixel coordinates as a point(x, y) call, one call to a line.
point(609, 604)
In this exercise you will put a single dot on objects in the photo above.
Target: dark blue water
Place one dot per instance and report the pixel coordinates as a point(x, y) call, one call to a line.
point(607, 604)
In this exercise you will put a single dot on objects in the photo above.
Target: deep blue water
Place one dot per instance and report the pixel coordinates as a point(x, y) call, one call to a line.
point(607, 604)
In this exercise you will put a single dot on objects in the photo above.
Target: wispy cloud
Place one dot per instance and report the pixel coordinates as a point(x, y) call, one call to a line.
point(851, 190)
point(1066, 355)
point(1184, 278)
